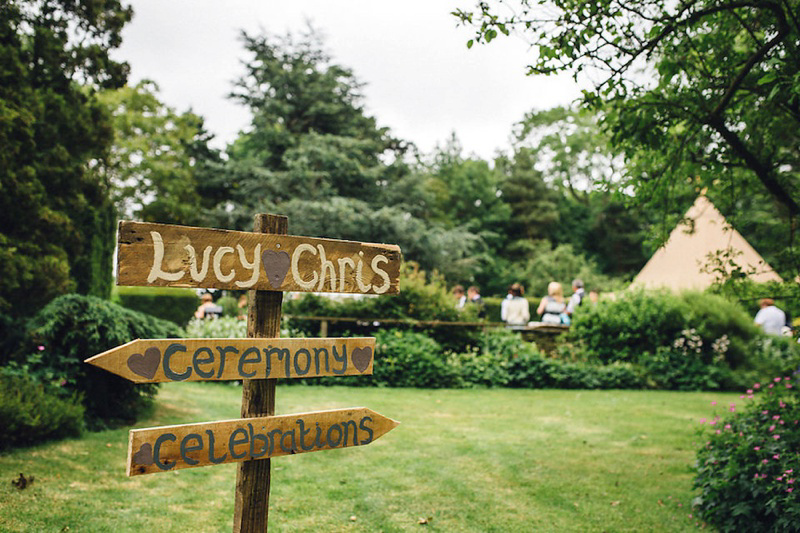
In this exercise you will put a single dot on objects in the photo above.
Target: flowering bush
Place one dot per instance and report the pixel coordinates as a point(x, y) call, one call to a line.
point(748, 469)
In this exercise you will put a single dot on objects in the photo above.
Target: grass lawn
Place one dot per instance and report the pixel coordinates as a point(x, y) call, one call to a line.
point(464, 460)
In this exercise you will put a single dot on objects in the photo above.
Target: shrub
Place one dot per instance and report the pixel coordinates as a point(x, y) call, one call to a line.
point(32, 412)
point(408, 359)
point(72, 328)
point(225, 327)
point(747, 469)
point(168, 303)
point(636, 322)
point(642, 322)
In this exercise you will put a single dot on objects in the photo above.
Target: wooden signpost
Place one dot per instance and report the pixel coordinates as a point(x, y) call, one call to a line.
point(266, 262)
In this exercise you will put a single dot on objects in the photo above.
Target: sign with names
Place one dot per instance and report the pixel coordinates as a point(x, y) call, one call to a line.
point(183, 256)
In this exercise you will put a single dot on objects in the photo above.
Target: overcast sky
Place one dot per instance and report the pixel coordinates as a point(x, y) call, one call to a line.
point(421, 80)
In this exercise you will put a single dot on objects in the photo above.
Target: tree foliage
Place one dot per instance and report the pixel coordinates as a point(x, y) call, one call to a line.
point(696, 89)
point(154, 160)
point(56, 220)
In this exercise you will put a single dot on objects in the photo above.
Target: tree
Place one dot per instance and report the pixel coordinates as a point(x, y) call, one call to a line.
point(56, 219)
point(695, 89)
point(312, 153)
point(156, 154)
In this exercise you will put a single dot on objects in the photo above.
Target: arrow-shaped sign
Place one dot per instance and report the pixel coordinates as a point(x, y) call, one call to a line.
point(161, 449)
point(162, 360)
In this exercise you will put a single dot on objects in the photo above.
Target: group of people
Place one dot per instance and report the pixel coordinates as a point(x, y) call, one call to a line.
point(553, 308)
point(515, 310)
point(472, 297)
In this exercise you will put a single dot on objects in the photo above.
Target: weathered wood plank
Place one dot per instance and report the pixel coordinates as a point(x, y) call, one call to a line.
point(161, 449)
point(183, 256)
point(165, 360)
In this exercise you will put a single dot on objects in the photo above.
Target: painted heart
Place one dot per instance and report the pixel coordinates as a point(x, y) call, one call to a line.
point(144, 456)
point(361, 357)
point(147, 364)
point(276, 265)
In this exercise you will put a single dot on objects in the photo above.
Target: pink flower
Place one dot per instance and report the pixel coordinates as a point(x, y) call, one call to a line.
point(714, 402)
point(771, 385)
point(764, 461)
point(777, 380)
point(776, 417)
point(776, 437)
point(790, 471)
point(776, 456)
point(756, 448)
point(749, 391)
point(790, 481)
point(788, 385)
point(727, 426)
point(781, 404)
point(772, 428)
point(41, 348)
point(713, 422)
point(702, 420)
point(789, 489)
point(757, 385)
point(764, 412)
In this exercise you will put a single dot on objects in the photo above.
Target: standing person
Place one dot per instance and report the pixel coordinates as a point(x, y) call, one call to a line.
point(504, 304)
point(207, 307)
point(474, 297)
point(460, 297)
point(577, 296)
point(552, 305)
point(769, 317)
point(518, 311)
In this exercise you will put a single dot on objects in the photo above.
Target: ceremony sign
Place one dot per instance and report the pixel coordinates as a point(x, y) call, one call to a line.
point(164, 360)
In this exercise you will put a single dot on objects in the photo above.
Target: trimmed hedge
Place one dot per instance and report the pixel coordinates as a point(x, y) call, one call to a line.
point(167, 303)
point(72, 328)
point(641, 322)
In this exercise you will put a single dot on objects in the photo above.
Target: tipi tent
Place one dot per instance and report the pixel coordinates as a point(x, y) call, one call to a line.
point(677, 265)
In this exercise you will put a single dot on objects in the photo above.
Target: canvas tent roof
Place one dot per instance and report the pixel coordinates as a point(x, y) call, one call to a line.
point(677, 265)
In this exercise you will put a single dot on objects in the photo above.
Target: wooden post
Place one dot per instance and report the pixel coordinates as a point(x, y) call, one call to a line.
point(258, 397)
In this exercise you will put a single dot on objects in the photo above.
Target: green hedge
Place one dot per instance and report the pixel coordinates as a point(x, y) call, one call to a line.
point(168, 303)
point(72, 328)
point(640, 322)
point(32, 412)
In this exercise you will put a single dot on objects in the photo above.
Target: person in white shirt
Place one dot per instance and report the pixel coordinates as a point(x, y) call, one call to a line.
point(518, 312)
point(771, 319)
point(504, 305)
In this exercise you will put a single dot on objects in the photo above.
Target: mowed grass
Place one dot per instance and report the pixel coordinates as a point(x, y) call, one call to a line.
point(461, 460)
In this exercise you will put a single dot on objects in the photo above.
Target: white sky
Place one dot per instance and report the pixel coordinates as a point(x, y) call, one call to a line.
point(421, 80)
